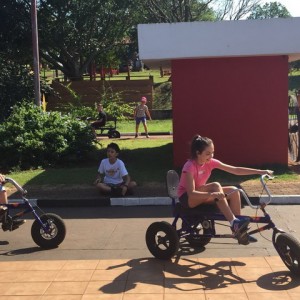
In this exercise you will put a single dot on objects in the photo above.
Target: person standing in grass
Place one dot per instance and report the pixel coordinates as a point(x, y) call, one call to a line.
point(140, 115)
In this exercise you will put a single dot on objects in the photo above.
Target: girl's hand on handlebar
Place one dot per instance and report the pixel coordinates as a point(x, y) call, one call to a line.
point(268, 172)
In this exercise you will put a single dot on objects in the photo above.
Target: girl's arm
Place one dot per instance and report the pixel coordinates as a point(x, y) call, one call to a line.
point(243, 171)
point(191, 191)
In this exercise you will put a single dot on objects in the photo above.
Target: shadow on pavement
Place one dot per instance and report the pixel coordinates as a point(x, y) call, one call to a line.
point(113, 212)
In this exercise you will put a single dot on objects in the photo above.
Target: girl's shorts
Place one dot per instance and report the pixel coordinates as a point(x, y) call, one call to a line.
point(184, 200)
point(138, 120)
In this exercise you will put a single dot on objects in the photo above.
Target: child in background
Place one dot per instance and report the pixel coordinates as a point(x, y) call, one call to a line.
point(140, 113)
point(101, 119)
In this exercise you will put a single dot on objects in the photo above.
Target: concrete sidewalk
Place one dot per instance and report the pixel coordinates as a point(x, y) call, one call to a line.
point(149, 279)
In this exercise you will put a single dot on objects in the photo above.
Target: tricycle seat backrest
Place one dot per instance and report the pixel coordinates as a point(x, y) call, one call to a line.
point(172, 183)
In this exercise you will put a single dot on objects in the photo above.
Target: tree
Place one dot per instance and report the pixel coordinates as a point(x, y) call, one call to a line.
point(234, 9)
point(16, 85)
point(15, 31)
point(16, 77)
point(74, 32)
point(294, 65)
point(269, 10)
point(170, 11)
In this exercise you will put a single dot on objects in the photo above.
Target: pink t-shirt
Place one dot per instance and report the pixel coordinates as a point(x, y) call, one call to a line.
point(200, 173)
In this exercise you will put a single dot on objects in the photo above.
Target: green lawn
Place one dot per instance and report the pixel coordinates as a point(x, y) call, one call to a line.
point(49, 76)
point(147, 160)
point(153, 126)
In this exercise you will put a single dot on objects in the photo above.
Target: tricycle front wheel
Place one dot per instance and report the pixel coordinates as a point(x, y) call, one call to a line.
point(51, 236)
point(288, 249)
point(162, 240)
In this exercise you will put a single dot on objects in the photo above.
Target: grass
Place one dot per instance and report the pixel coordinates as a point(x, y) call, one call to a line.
point(49, 76)
point(153, 126)
point(147, 161)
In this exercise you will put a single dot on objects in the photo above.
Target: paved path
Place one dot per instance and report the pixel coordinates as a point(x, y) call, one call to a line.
point(146, 279)
point(104, 256)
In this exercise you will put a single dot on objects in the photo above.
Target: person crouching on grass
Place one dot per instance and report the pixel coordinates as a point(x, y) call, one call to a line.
point(113, 177)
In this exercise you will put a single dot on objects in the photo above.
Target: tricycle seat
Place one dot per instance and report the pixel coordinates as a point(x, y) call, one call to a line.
point(201, 209)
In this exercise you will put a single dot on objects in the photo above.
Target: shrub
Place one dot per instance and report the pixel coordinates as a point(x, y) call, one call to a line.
point(31, 138)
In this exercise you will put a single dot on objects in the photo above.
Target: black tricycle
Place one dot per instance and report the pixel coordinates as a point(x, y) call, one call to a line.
point(109, 129)
point(48, 230)
point(198, 227)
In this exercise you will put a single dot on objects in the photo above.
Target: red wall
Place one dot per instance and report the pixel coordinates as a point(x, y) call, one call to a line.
point(240, 103)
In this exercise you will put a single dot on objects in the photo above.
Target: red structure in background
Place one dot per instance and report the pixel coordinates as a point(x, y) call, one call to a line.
point(93, 70)
point(239, 102)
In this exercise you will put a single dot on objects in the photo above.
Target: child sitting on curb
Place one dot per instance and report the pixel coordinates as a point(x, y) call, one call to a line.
point(113, 177)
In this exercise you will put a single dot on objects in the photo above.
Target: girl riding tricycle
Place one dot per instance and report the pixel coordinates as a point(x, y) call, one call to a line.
point(200, 205)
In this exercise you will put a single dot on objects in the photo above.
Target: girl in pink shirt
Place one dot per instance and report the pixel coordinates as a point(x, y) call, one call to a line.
point(194, 190)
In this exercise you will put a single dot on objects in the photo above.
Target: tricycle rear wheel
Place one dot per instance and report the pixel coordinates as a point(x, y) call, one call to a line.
point(52, 237)
point(288, 249)
point(114, 134)
point(196, 238)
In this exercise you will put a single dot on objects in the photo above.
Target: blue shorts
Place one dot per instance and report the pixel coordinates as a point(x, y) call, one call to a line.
point(138, 120)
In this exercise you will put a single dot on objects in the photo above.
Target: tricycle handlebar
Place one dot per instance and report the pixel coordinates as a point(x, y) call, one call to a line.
point(263, 179)
point(17, 186)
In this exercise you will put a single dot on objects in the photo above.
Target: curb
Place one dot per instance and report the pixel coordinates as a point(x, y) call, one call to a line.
point(140, 201)
point(143, 201)
point(283, 199)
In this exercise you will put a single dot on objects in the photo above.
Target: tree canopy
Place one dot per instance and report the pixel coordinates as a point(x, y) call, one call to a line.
point(234, 9)
point(269, 10)
point(15, 31)
point(170, 11)
point(73, 32)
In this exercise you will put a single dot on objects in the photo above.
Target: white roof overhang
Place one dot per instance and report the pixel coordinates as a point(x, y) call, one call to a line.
point(161, 43)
